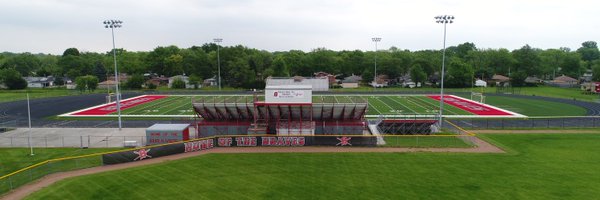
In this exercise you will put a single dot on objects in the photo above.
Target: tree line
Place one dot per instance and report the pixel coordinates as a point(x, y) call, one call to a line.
point(244, 67)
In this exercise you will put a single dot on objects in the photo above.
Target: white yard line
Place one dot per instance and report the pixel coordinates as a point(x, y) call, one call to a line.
point(174, 108)
point(402, 104)
point(371, 106)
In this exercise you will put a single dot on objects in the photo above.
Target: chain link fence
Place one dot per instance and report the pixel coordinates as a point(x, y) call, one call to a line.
point(39, 170)
point(531, 122)
point(73, 141)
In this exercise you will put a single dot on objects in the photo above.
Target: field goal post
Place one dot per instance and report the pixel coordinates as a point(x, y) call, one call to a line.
point(478, 96)
point(110, 97)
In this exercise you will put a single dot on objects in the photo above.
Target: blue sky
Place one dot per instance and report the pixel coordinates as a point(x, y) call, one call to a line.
point(51, 26)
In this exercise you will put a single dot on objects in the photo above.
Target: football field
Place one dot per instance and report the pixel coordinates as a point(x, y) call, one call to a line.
point(379, 105)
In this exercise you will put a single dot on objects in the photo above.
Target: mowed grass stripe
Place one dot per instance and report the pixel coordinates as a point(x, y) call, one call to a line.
point(424, 107)
point(380, 106)
point(413, 108)
point(343, 99)
point(397, 107)
point(182, 105)
point(158, 107)
point(540, 166)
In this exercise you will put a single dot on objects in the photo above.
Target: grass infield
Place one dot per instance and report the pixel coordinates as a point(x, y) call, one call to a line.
point(538, 166)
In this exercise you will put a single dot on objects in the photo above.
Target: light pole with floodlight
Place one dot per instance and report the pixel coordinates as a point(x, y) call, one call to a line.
point(376, 40)
point(112, 24)
point(443, 19)
point(218, 41)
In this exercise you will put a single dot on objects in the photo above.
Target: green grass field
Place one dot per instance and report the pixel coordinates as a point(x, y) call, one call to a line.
point(532, 107)
point(13, 159)
point(385, 105)
point(537, 166)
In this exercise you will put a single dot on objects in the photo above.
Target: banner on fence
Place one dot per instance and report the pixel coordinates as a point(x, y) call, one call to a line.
point(291, 141)
point(154, 152)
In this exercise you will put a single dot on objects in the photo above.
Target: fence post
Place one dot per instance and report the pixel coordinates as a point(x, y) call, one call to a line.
point(88, 141)
point(106, 141)
point(11, 141)
point(417, 141)
point(81, 140)
point(548, 124)
point(46, 141)
point(532, 123)
point(10, 182)
point(63, 141)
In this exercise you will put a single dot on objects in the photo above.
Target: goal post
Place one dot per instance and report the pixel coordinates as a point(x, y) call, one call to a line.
point(478, 96)
point(110, 97)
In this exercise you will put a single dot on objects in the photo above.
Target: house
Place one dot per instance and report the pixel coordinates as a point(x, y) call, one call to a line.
point(107, 84)
point(210, 82)
point(480, 83)
point(158, 80)
point(500, 80)
point(587, 76)
point(39, 82)
point(380, 81)
point(184, 78)
point(351, 81)
point(329, 77)
point(563, 81)
point(533, 80)
point(123, 77)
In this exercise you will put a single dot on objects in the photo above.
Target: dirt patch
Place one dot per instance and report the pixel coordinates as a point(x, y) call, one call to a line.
point(23, 191)
point(572, 131)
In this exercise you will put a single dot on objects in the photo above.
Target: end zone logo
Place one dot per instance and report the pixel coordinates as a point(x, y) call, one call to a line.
point(344, 141)
point(142, 154)
point(275, 94)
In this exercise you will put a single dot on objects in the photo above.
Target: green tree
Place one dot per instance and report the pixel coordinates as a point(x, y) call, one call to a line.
point(459, 74)
point(417, 74)
point(528, 60)
point(24, 63)
point(86, 83)
point(178, 84)
point(100, 71)
point(135, 82)
point(279, 67)
point(12, 79)
point(195, 80)
point(589, 51)
point(571, 65)
point(517, 78)
point(596, 71)
point(71, 52)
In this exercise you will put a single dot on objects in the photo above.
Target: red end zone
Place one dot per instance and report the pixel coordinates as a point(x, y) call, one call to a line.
point(471, 106)
point(112, 107)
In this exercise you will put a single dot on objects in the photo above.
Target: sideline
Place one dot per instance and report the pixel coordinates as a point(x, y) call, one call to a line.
point(25, 190)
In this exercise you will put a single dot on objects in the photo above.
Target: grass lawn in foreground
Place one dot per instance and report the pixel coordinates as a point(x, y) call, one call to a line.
point(13, 159)
point(538, 166)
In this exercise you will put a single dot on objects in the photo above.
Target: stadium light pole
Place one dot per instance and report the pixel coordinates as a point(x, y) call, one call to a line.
point(218, 41)
point(376, 40)
point(443, 19)
point(112, 24)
